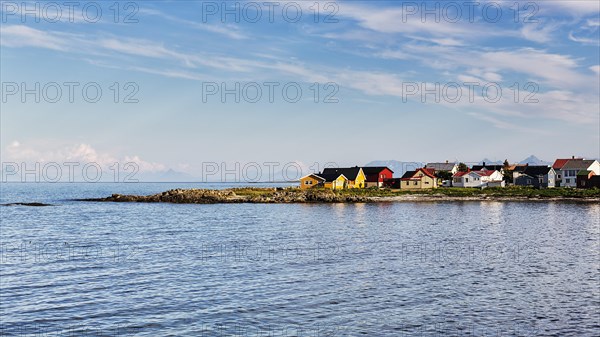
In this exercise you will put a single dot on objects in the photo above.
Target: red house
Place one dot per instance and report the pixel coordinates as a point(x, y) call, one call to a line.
point(377, 175)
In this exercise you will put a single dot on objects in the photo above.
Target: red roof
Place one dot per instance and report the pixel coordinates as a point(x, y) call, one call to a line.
point(431, 171)
point(427, 172)
point(414, 176)
point(485, 172)
point(559, 163)
point(460, 173)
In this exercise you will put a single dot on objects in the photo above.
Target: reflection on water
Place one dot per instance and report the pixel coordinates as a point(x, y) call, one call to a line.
point(384, 269)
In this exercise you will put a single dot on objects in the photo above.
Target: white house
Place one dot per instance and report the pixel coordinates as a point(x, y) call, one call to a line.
point(570, 169)
point(485, 178)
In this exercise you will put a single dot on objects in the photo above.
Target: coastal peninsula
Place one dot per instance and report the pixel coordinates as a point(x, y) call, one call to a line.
point(322, 195)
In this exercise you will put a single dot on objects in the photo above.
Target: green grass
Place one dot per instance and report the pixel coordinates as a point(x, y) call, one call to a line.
point(253, 191)
point(511, 191)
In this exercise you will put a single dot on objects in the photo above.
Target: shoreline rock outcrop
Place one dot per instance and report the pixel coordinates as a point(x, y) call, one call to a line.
point(296, 195)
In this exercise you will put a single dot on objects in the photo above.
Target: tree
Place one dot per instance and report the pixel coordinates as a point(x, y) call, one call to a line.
point(462, 167)
point(443, 175)
point(508, 174)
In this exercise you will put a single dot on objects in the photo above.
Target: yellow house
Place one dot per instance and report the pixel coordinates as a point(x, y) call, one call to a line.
point(355, 175)
point(419, 179)
point(335, 181)
point(310, 181)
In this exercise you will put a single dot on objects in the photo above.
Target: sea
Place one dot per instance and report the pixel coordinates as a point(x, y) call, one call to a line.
point(473, 268)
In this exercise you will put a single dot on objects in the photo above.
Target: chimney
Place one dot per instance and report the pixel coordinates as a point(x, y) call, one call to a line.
point(572, 157)
point(446, 162)
point(483, 164)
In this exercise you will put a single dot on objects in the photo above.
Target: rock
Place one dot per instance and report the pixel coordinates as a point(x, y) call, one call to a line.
point(32, 204)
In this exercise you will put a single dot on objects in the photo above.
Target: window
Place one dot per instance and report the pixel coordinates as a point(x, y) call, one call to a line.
point(407, 183)
point(466, 180)
point(427, 183)
point(568, 181)
point(416, 183)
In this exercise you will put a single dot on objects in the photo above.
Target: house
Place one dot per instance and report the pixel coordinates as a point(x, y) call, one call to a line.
point(587, 179)
point(392, 183)
point(376, 176)
point(355, 175)
point(418, 179)
point(572, 167)
point(488, 167)
point(443, 167)
point(482, 178)
point(334, 181)
point(517, 170)
point(557, 167)
point(311, 180)
point(537, 176)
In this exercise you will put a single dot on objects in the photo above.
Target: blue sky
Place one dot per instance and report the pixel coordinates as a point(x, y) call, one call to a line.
point(374, 52)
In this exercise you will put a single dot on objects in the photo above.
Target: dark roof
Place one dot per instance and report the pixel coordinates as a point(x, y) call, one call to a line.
point(408, 174)
point(329, 177)
point(369, 170)
point(577, 164)
point(487, 167)
point(535, 171)
point(350, 172)
point(441, 166)
point(520, 168)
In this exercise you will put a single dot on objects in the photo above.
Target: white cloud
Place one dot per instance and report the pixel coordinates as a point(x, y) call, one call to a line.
point(583, 40)
point(538, 32)
point(143, 48)
point(43, 152)
point(23, 36)
point(228, 30)
point(554, 70)
point(572, 7)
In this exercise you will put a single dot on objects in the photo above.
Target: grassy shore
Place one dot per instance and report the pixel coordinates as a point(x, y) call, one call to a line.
point(491, 192)
point(321, 195)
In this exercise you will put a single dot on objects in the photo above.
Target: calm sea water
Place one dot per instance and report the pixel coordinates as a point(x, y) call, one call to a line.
point(386, 269)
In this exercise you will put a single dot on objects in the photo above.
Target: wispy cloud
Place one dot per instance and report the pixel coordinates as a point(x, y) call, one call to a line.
point(24, 36)
point(228, 30)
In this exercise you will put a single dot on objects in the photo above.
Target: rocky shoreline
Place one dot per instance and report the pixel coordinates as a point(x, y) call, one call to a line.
point(206, 196)
point(280, 195)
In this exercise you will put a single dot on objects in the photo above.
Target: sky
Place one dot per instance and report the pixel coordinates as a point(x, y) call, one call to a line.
point(175, 84)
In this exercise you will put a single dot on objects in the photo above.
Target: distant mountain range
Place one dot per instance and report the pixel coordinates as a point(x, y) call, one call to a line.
point(533, 160)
